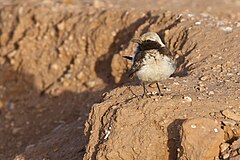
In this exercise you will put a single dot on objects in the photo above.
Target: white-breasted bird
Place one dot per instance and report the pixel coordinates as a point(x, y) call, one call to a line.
point(152, 61)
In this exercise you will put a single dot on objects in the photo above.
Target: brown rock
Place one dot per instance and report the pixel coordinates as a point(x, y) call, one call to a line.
point(235, 158)
point(227, 122)
point(236, 144)
point(230, 114)
point(224, 147)
point(228, 131)
point(200, 139)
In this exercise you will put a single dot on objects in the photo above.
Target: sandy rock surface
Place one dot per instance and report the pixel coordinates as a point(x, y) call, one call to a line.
point(201, 138)
point(65, 91)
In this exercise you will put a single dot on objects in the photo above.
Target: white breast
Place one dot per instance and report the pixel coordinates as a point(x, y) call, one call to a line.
point(156, 68)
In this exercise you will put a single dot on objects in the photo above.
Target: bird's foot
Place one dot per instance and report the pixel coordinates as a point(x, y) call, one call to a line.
point(159, 94)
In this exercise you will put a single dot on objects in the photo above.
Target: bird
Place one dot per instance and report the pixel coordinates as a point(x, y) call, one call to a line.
point(152, 61)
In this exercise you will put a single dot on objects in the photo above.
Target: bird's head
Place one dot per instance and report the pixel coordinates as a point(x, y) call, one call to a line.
point(149, 36)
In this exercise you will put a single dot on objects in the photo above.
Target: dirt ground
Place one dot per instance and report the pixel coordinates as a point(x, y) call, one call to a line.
point(65, 93)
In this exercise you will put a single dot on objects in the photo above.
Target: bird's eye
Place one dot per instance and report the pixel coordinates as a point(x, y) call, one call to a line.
point(139, 48)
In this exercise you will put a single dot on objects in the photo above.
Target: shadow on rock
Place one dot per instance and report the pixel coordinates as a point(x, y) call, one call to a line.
point(182, 64)
point(174, 138)
point(121, 41)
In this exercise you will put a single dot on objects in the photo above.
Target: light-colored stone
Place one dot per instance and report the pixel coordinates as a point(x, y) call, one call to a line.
point(61, 26)
point(54, 66)
point(224, 147)
point(226, 155)
point(68, 75)
point(187, 99)
point(204, 78)
point(211, 93)
point(80, 75)
point(227, 122)
point(227, 29)
point(91, 84)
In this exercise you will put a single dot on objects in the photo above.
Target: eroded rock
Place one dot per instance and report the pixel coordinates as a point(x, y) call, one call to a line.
point(200, 139)
point(230, 114)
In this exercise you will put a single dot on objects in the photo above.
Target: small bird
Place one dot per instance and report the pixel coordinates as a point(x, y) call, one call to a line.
point(152, 61)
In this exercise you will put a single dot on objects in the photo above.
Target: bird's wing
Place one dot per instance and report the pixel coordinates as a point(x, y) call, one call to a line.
point(137, 62)
point(128, 58)
point(165, 51)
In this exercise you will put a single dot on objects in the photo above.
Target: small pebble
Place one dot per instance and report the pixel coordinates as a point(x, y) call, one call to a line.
point(226, 29)
point(54, 66)
point(230, 74)
point(226, 155)
point(201, 88)
point(65, 83)
point(193, 126)
point(91, 84)
point(198, 23)
point(70, 37)
point(154, 93)
point(68, 75)
point(12, 61)
point(16, 130)
point(11, 54)
point(61, 26)
point(215, 130)
point(10, 106)
point(187, 98)
point(176, 83)
point(210, 93)
point(204, 78)
point(113, 33)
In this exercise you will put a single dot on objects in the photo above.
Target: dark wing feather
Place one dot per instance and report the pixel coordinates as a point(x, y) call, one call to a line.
point(149, 45)
point(128, 58)
point(165, 51)
point(138, 62)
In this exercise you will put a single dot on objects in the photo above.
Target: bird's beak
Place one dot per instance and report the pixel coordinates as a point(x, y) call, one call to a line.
point(136, 41)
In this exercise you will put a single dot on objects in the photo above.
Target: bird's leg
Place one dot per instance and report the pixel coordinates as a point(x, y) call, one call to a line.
point(144, 90)
point(132, 92)
point(159, 91)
